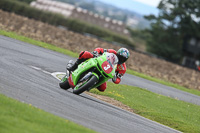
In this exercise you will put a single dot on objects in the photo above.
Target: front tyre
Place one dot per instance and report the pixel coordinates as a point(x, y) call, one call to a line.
point(64, 85)
point(87, 85)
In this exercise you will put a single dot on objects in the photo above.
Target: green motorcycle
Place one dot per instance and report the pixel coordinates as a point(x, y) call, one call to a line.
point(91, 73)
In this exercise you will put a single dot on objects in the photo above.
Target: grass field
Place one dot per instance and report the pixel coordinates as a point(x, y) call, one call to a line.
point(171, 112)
point(168, 111)
point(17, 117)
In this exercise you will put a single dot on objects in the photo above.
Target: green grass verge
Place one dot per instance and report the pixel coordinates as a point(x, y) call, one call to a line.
point(17, 117)
point(38, 43)
point(168, 111)
point(70, 53)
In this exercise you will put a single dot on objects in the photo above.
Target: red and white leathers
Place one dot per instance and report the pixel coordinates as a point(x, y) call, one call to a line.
point(120, 71)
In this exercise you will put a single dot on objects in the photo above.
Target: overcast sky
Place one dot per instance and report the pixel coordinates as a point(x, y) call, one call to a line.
point(144, 7)
point(153, 3)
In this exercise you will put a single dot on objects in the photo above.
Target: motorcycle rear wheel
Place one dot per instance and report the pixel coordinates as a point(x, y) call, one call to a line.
point(90, 83)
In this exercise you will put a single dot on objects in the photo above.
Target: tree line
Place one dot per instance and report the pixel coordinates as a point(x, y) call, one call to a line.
point(177, 22)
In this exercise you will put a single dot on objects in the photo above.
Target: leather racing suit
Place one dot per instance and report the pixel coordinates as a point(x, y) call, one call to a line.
point(120, 71)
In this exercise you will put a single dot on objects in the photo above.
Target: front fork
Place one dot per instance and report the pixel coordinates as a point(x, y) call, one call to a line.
point(87, 76)
point(66, 76)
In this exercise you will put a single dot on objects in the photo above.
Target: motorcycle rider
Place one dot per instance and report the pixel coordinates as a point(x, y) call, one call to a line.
point(122, 54)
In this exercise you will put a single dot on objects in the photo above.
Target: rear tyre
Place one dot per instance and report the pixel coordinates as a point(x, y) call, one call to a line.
point(64, 85)
point(89, 83)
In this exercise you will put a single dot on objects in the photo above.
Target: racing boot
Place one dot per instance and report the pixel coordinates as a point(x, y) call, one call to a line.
point(71, 66)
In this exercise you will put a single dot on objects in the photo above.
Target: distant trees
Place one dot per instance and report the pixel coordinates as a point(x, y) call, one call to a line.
point(178, 20)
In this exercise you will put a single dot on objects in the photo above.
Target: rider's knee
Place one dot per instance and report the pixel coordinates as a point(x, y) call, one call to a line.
point(102, 87)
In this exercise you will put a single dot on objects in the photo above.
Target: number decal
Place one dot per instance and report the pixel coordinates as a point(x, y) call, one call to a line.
point(106, 67)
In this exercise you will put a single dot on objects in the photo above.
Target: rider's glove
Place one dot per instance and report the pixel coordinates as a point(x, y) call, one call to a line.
point(95, 54)
point(117, 78)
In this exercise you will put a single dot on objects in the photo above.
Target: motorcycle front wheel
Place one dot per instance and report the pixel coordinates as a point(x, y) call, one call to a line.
point(86, 85)
point(64, 85)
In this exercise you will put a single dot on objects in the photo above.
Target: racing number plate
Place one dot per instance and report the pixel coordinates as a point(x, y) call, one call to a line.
point(107, 67)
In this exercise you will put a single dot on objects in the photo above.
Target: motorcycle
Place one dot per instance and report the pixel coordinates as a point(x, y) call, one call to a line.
point(91, 73)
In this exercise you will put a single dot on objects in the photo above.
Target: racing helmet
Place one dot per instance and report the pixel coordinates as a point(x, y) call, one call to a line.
point(122, 54)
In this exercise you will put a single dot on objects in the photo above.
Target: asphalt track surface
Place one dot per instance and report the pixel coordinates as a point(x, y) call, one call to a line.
point(25, 75)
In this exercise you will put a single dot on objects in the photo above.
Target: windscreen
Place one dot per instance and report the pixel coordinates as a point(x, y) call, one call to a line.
point(112, 59)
